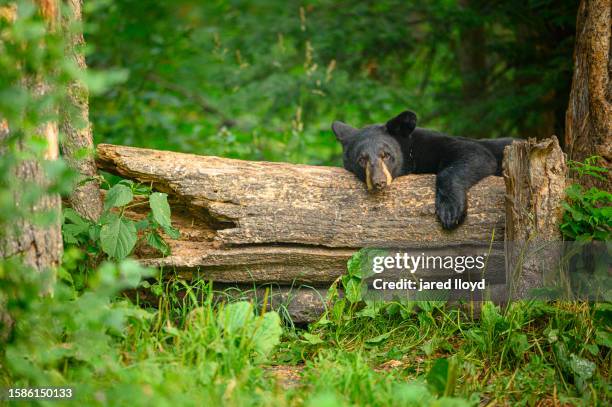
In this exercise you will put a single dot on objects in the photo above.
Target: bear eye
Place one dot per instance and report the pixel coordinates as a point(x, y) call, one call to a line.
point(363, 160)
point(384, 155)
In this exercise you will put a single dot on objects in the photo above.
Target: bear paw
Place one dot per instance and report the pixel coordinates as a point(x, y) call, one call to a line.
point(451, 212)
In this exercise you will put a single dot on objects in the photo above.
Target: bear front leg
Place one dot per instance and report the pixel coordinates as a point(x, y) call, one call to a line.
point(454, 180)
point(451, 198)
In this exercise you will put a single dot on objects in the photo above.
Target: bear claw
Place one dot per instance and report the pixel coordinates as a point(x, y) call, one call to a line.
point(450, 215)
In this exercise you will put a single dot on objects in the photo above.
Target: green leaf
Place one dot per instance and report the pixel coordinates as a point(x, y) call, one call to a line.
point(118, 237)
point(352, 290)
point(154, 240)
point(73, 216)
point(171, 232)
point(354, 264)
point(438, 375)
point(582, 367)
point(371, 310)
point(519, 344)
point(442, 376)
point(338, 309)
point(119, 195)
point(142, 224)
point(268, 333)
point(378, 339)
point(142, 189)
point(63, 274)
point(312, 339)
point(603, 338)
point(235, 316)
point(158, 202)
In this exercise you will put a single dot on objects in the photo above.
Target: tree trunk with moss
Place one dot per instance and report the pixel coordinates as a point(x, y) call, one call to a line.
point(77, 143)
point(588, 126)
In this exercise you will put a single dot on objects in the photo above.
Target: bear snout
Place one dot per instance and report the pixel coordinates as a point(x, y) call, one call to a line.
point(379, 184)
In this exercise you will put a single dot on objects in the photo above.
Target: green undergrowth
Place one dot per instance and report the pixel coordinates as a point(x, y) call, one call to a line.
point(191, 349)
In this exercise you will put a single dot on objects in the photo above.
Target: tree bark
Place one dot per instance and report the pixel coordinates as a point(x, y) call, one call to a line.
point(77, 142)
point(534, 172)
point(588, 125)
point(40, 246)
point(244, 221)
point(249, 202)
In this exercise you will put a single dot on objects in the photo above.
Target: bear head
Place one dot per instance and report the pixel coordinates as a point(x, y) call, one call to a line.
point(374, 153)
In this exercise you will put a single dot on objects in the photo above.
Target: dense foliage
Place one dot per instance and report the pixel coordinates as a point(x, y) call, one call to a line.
point(264, 79)
point(588, 213)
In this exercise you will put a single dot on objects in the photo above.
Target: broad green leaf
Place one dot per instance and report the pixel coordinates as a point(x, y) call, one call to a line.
point(355, 263)
point(68, 237)
point(118, 237)
point(132, 273)
point(72, 215)
point(155, 241)
point(160, 208)
point(172, 232)
point(71, 231)
point(268, 333)
point(438, 376)
point(94, 232)
point(235, 316)
point(75, 230)
point(371, 310)
point(352, 290)
point(582, 367)
point(338, 309)
point(603, 338)
point(119, 195)
point(312, 339)
point(76, 227)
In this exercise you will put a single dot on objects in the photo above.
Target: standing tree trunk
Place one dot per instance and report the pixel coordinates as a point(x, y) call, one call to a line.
point(40, 245)
point(77, 142)
point(588, 124)
point(534, 172)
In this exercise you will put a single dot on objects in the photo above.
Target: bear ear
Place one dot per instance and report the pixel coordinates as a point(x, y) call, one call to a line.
point(343, 131)
point(403, 124)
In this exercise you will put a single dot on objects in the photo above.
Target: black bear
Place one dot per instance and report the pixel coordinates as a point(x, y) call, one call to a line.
point(381, 152)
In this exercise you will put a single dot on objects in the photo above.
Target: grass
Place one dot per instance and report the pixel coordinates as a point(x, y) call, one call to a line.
point(192, 352)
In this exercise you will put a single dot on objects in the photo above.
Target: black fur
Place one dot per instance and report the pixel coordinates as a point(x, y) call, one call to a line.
point(404, 148)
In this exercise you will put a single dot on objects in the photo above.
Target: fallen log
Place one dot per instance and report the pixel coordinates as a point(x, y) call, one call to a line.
point(252, 223)
point(298, 304)
point(248, 202)
point(244, 221)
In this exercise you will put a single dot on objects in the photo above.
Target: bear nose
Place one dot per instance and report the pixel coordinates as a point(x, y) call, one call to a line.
point(380, 184)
